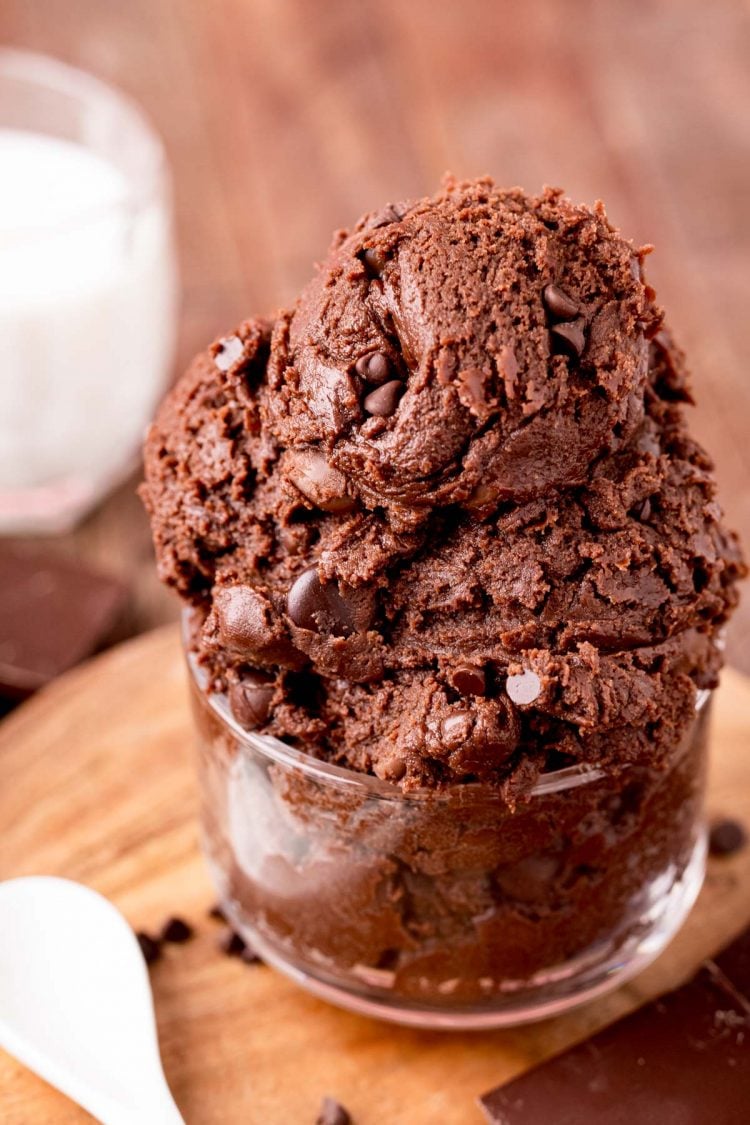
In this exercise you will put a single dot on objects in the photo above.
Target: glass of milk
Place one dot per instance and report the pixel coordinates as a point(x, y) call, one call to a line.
point(87, 290)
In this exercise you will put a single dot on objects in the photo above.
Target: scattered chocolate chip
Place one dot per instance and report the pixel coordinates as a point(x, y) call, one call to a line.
point(469, 680)
point(559, 304)
point(455, 728)
point(726, 837)
point(227, 352)
point(524, 687)
point(150, 947)
point(569, 338)
point(374, 368)
point(306, 600)
point(251, 698)
point(248, 626)
point(232, 944)
point(318, 481)
point(383, 402)
point(176, 930)
point(374, 262)
point(645, 510)
point(217, 913)
point(333, 1113)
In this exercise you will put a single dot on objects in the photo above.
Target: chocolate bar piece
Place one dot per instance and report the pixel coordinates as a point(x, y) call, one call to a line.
point(683, 1059)
point(53, 613)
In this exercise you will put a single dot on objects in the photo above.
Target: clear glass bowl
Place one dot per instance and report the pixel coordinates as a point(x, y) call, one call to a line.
point(452, 909)
point(88, 289)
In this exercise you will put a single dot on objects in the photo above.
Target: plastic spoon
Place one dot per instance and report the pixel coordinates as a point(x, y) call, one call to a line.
point(75, 1001)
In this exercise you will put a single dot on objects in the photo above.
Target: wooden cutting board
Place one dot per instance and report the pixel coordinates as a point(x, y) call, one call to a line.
point(96, 784)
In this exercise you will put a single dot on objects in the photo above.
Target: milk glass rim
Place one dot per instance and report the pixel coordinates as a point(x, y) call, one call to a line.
point(46, 74)
point(557, 781)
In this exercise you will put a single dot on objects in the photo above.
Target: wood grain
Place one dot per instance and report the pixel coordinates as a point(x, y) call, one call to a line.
point(96, 784)
point(285, 119)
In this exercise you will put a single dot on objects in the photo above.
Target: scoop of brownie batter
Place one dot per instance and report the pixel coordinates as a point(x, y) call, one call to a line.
point(443, 520)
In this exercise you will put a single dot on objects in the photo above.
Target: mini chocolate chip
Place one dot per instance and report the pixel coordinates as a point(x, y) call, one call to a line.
point(332, 1113)
point(176, 930)
point(251, 698)
point(523, 687)
point(318, 481)
point(558, 303)
point(324, 608)
point(469, 680)
point(228, 352)
point(726, 837)
point(374, 368)
point(569, 338)
point(150, 947)
point(374, 261)
point(383, 402)
point(232, 944)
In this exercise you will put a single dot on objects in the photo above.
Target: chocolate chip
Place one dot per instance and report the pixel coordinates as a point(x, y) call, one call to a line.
point(249, 627)
point(227, 352)
point(150, 947)
point(384, 400)
point(469, 680)
point(558, 303)
point(332, 1113)
point(374, 262)
point(569, 338)
point(231, 944)
point(323, 608)
point(374, 368)
point(176, 930)
point(523, 687)
point(645, 510)
point(726, 837)
point(455, 728)
point(251, 698)
point(318, 481)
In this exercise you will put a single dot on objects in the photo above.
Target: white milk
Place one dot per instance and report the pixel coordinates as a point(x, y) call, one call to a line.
point(86, 326)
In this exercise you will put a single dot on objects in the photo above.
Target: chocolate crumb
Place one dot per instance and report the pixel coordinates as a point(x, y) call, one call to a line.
point(150, 947)
point(333, 1113)
point(176, 930)
point(726, 837)
point(232, 944)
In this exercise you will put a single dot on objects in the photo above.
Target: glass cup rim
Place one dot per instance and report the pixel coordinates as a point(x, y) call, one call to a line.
point(50, 75)
point(557, 781)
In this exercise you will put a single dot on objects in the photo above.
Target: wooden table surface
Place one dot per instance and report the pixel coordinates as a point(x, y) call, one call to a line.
point(285, 119)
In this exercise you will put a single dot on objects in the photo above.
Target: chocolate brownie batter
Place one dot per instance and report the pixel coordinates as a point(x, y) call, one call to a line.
point(453, 483)
point(442, 522)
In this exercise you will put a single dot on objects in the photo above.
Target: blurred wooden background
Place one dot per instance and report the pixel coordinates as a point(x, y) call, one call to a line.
point(285, 119)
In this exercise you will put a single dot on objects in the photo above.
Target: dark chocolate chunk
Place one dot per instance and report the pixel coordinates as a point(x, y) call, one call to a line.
point(150, 947)
point(569, 338)
point(251, 698)
point(53, 614)
point(682, 1058)
point(383, 401)
point(374, 368)
point(176, 930)
point(559, 304)
point(469, 680)
point(726, 837)
point(318, 481)
point(232, 944)
point(333, 1113)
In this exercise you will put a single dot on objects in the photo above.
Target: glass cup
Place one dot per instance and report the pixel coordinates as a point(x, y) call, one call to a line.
point(450, 909)
point(87, 289)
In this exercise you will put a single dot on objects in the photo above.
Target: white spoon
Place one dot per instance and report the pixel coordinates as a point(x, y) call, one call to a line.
point(75, 1001)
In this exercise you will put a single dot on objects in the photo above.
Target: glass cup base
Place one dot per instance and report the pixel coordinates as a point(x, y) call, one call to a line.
point(598, 970)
